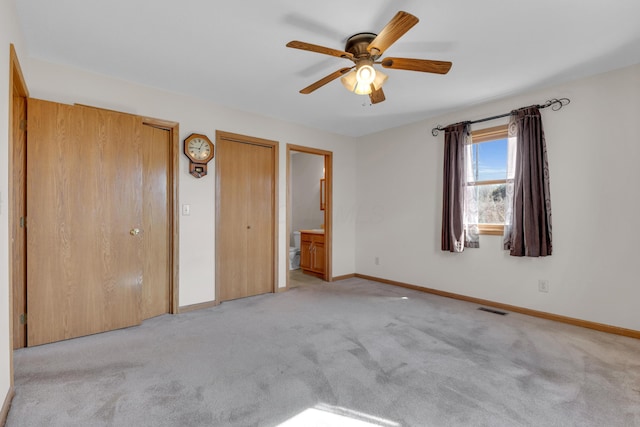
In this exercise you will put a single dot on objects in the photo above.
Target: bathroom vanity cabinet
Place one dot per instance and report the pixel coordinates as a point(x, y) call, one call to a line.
point(312, 252)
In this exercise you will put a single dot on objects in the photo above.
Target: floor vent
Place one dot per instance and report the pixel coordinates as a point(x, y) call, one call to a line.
point(490, 310)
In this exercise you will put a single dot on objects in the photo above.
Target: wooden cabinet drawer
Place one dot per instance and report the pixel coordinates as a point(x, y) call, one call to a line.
point(312, 238)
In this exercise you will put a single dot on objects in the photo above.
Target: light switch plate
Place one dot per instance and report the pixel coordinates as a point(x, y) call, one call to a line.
point(186, 210)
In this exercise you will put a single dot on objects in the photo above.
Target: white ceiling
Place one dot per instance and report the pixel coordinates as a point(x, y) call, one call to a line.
point(233, 52)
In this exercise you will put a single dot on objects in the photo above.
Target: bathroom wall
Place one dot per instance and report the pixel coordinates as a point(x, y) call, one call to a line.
point(306, 172)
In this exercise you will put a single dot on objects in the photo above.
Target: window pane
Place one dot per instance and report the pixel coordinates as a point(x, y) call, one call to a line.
point(491, 205)
point(489, 160)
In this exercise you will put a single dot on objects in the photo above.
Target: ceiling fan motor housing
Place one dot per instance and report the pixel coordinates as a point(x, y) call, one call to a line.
point(357, 46)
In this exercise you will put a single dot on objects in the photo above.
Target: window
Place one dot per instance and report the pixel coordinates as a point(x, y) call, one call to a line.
point(487, 174)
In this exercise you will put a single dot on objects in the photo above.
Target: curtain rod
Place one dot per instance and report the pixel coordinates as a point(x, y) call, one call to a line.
point(555, 105)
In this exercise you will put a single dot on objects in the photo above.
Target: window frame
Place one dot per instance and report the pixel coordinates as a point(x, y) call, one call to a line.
point(486, 135)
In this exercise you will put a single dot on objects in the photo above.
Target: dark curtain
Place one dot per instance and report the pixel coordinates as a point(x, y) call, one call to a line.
point(530, 233)
point(452, 238)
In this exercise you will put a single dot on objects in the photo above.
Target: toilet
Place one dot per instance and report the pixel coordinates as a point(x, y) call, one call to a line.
point(294, 252)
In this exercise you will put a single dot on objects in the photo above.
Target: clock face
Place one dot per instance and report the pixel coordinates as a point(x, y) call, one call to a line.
point(199, 149)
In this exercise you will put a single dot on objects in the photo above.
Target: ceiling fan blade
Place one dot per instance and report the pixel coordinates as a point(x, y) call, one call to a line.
point(376, 96)
point(399, 24)
point(424, 65)
point(319, 49)
point(323, 81)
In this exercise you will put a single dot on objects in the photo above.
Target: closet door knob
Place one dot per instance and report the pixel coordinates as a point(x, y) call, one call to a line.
point(134, 231)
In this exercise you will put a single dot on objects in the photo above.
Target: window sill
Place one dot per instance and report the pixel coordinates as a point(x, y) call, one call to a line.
point(491, 229)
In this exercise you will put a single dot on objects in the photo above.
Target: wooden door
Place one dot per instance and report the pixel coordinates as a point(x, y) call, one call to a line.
point(84, 181)
point(231, 247)
point(245, 254)
point(156, 220)
point(260, 219)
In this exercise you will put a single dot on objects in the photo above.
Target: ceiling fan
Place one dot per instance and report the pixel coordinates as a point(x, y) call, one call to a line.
point(365, 50)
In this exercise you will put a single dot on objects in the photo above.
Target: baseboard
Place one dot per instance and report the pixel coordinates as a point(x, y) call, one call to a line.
point(194, 307)
point(535, 313)
point(6, 405)
point(346, 276)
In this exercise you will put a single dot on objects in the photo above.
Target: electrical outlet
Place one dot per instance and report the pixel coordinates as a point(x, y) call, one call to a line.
point(543, 285)
point(377, 261)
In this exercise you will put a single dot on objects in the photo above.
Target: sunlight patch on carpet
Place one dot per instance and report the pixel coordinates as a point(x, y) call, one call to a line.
point(323, 415)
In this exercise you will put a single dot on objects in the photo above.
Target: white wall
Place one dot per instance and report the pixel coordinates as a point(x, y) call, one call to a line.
point(197, 234)
point(306, 172)
point(594, 156)
point(9, 33)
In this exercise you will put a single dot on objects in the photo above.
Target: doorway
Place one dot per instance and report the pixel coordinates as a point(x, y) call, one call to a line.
point(324, 193)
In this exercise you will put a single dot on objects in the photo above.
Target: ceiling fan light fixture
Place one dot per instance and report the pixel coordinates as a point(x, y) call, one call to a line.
point(351, 83)
point(364, 50)
point(362, 89)
point(380, 79)
point(365, 74)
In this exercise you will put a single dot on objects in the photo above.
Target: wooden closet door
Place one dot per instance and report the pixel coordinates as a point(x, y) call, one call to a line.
point(245, 219)
point(156, 220)
point(260, 216)
point(84, 181)
point(232, 176)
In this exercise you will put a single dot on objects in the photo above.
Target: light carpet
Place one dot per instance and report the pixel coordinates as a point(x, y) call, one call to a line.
point(351, 353)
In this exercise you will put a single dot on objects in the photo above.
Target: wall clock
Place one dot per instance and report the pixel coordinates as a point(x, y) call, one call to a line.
point(199, 149)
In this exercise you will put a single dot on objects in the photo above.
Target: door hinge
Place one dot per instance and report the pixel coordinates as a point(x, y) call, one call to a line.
point(23, 319)
point(23, 222)
point(23, 125)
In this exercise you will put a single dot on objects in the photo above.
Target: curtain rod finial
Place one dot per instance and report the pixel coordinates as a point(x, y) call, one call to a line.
point(556, 103)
